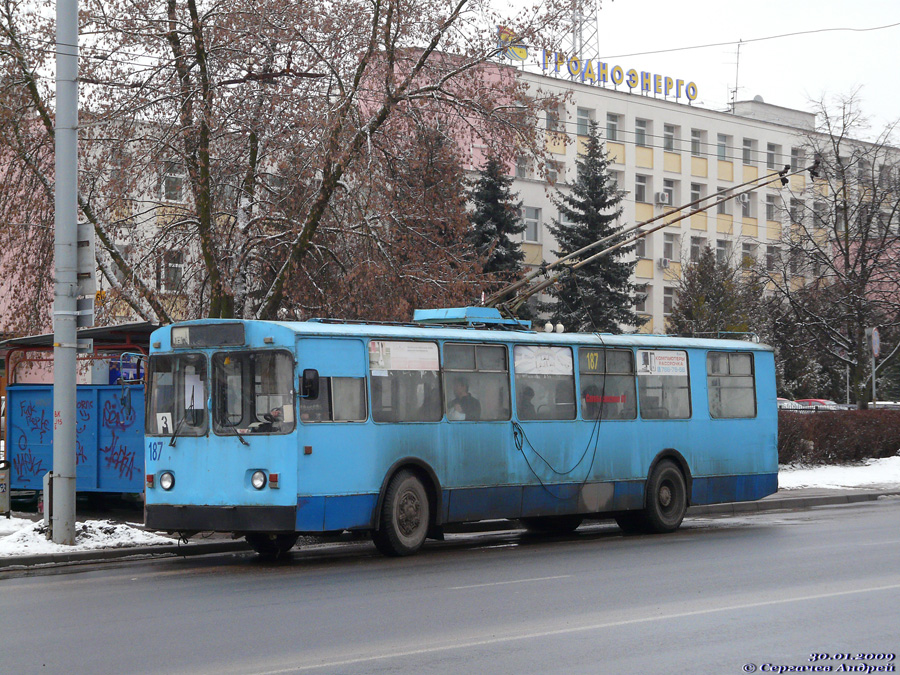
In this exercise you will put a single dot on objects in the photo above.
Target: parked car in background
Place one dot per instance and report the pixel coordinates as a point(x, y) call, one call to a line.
point(821, 403)
point(788, 404)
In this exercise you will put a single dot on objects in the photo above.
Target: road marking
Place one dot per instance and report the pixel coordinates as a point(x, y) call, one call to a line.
point(484, 642)
point(514, 581)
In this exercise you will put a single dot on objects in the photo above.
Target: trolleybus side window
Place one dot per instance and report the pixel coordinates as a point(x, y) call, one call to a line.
point(607, 384)
point(663, 384)
point(253, 392)
point(405, 380)
point(545, 383)
point(177, 401)
point(730, 384)
point(340, 399)
point(476, 382)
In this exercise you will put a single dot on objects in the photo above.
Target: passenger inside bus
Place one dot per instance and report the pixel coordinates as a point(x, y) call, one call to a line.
point(525, 404)
point(464, 406)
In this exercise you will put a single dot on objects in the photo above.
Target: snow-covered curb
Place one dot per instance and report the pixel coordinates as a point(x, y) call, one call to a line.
point(19, 537)
point(873, 473)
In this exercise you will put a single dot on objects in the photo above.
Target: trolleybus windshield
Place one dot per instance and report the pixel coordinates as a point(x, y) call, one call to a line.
point(177, 402)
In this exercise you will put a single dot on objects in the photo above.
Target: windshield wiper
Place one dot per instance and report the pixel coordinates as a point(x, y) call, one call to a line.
point(177, 429)
point(236, 433)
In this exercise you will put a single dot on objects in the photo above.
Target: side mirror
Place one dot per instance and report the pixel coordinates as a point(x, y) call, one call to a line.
point(309, 385)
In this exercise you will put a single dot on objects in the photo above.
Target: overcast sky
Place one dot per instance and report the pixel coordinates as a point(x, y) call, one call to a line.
point(786, 71)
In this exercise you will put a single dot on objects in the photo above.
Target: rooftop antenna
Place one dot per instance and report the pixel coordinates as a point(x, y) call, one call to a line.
point(737, 72)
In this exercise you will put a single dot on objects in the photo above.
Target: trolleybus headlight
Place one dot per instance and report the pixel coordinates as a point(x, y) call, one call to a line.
point(258, 479)
point(166, 480)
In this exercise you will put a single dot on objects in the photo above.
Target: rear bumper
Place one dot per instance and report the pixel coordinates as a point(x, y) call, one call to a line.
point(182, 518)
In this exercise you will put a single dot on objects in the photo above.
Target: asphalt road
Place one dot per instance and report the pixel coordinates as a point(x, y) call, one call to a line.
point(722, 595)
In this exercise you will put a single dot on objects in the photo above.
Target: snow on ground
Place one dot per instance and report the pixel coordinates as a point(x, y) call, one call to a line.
point(19, 536)
point(873, 473)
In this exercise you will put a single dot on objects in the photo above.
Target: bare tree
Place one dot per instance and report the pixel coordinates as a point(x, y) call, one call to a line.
point(220, 138)
point(840, 272)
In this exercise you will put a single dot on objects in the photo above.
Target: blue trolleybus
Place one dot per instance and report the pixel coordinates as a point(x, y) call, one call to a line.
point(273, 429)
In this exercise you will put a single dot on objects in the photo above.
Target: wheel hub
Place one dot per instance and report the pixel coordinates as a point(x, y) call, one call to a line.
point(408, 513)
point(665, 496)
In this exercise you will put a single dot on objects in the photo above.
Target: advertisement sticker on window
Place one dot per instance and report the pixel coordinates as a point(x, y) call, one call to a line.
point(659, 362)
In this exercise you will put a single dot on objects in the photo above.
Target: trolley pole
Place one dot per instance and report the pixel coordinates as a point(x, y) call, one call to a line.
point(65, 307)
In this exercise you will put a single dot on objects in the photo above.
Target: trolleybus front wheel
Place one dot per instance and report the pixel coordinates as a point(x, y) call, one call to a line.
point(271, 546)
point(404, 516)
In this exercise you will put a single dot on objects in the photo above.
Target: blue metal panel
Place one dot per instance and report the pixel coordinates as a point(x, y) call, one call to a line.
point(350, 511)
point(310, 514)
point(332, 358)
point(628, 495)
point(485, 502)
point(109, 437)
point(720, 489)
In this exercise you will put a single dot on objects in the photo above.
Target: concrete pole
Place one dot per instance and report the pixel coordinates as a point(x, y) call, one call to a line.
point(62, 523)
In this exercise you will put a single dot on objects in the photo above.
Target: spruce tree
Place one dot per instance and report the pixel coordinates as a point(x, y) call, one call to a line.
point(494, 220)
point(598, 296)
point(713, 297)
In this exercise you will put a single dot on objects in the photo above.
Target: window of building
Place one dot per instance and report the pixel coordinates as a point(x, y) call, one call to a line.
point(723, 251)
point(748, 254)
point(722, 146)
point(607, 384)
point(173, 182)
point(798, 156)
point(668, 300)
point(723, 206)
point(556, 171)
point(641, 188)
point(672, 246)
point(663, 384)
point(698, 142)
point(730, 385)
point(820, 213)
point(749, 151)
point(698, 190)
point(476, 382)
point(697, 246)
point(796, 210)
point(771, 207)
point(641, 132)
point(641, 298)
point(545, 382)
point(771, 258)
point(670, 188)
point(747, 199)
point(773, 155)
point(532, 218)
point(584, 117)
point(641, 248)
point(554, 117)
point(523, 167)
point(405, 380)
point(669, 137)
point(170, 275)
point(612, 127)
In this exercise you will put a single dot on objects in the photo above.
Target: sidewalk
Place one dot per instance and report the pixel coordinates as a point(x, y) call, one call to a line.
point(797, 499)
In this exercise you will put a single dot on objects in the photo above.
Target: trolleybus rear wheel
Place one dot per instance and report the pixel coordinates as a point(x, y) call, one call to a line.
point(271, 546)
point(666, 498)
point(553, 524)
point(404, 516)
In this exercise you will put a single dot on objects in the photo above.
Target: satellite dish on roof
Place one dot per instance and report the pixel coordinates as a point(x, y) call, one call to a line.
point(758, 99)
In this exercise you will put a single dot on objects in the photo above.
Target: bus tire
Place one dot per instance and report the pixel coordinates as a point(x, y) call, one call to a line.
point(553, 524)
point(405, 516)
point(271, 546)
point(666, 498)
